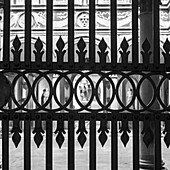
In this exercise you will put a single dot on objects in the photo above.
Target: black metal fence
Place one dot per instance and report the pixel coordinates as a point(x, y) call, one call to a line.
point(133, 104)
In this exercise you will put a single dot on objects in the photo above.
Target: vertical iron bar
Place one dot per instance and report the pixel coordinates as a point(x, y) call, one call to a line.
point(134, 33)
point(27, 48)
point(92, 142)
point(49, 143)
point(156, 38)
point(27, 143)
point(6, 34)
point(158, 144)
point(114, 145)
point(135, 143)
point(5, 142)
point(71, 32)
point(92, 32)
point(49, 36)
point(113, 23)
point(71, 150)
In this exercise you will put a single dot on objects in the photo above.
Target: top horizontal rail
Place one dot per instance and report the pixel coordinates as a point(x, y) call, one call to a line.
point(97, 67)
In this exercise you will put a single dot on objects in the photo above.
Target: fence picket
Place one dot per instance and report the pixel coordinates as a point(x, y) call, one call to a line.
point(49, 142)
point(135, 33)
point(6, 34)
point(92, 146)
point(136, 142)
point(71, 145)
point(92, 33)
point(71, 32)
point(49, 33)
point(113, 23)
point(158, 143)
point(27, 143)
point(156, 36)
point(27, 55)
point(114, 144)
point(5, 142)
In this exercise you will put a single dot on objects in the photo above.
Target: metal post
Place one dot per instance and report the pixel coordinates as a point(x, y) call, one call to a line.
point(147, 154)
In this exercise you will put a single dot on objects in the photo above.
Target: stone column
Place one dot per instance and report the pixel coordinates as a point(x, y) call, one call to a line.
point(147, 154)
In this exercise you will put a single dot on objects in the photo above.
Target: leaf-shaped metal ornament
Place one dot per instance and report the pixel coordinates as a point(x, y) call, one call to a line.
point(146, 46)
point(124, 128)
point(166, 54)
point(167, 132)
point(38, 138)
point(38, 45)
point(16, 43)
point(124, 53)
point(166, 46)
point(124, 138)
point(60, 50)
point(82, 131)
point(16, 50)
point(60, 131)
point(16, 130)
point(146, 53)
point(16, 138)
point(167, 139)
point(38, 131)
point(102, 45)
point(102, 53)
point(81, 45)
point(103, 138)
point(60, 44)
point(147, 132)
point(81, 52)
point(60, 139)
point(38, 51)
point(82, 139)
point(124, 45)
point(103, 129)
point(148, 137)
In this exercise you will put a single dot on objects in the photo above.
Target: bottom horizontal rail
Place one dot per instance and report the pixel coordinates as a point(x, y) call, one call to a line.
point(87, 116)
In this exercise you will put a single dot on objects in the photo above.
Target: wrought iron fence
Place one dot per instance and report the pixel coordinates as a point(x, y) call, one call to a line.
point(78, 96)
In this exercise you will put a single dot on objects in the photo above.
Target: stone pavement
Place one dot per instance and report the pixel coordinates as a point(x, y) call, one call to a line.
point(81, 156)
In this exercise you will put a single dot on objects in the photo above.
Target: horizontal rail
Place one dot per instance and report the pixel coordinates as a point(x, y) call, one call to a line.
point(87, 116)
point(86, 66)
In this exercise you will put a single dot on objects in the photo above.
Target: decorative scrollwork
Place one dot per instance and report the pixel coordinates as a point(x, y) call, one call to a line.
point(82, 131)
point(80, 91)
point(16, 130)
point(38, 130)
point(60, 131)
